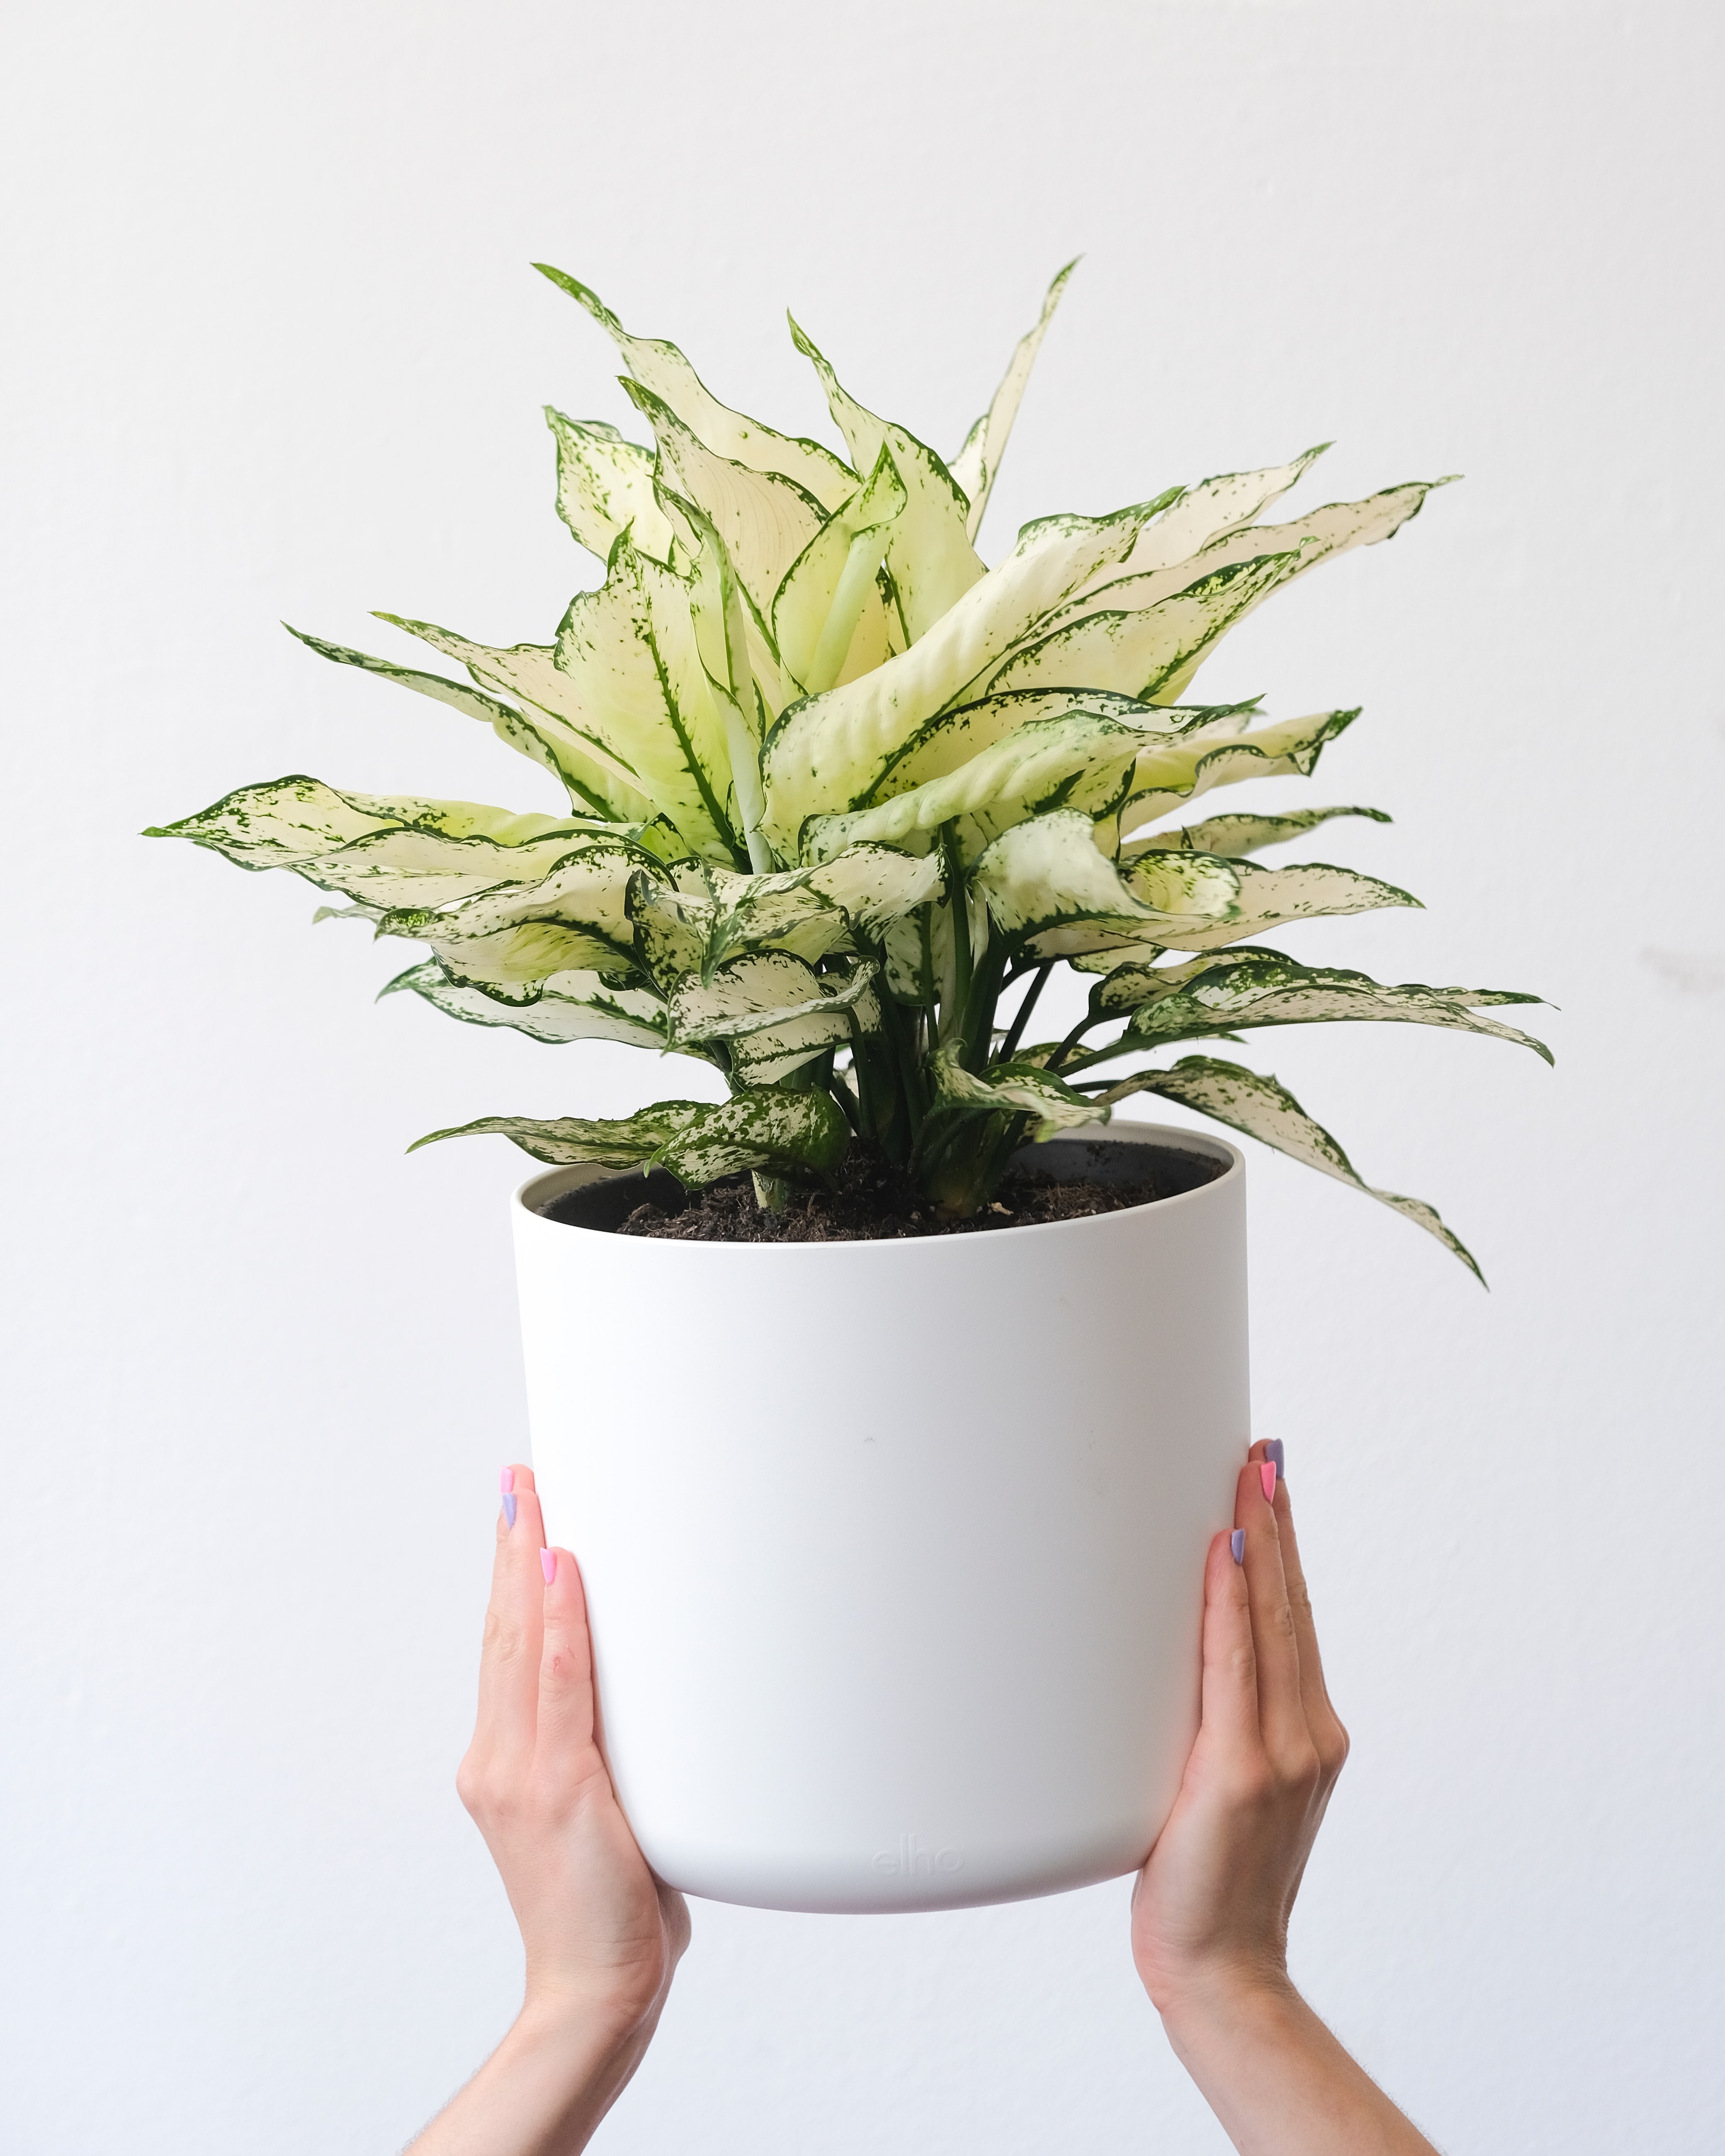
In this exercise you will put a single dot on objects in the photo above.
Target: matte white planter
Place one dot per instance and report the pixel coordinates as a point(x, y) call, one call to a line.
point(894, 1550)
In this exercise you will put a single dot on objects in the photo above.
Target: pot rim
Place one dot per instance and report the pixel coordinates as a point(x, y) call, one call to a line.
point(550, 1182)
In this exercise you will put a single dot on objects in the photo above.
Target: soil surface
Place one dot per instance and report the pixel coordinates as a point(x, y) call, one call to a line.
point(875, 1201)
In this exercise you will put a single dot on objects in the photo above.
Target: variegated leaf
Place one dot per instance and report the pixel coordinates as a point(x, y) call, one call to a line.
point(774, 1133)
point(1238, 989)
point(541, 744)
point(929, 557)
point(529, 673)
point(830, 614)
point(977, 463)
point(605, 487)
point(1268, 898)
point(1048, 886)
point(662, 368)
point(828, 753)
point(388, 852)
point(1015, 1088)
point(1147, 634)
point(1213, 509)
point(573, 1006)
point(775, 1012)
point(1029, 772)
point(765, 520)
point(812, 912)
point(574, 919)
point(1263, 1109)
point(1235, 837)
point(1149, 651)
point(628, 652)
point(1170, 774)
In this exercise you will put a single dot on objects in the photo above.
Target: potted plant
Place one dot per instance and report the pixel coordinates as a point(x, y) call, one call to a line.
point(889, 1403)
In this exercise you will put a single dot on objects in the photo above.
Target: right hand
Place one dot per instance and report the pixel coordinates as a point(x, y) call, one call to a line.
point(602, 1936)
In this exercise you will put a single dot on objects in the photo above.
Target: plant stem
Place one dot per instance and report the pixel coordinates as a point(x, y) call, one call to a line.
point(1009, 1046)
point(952, 1022)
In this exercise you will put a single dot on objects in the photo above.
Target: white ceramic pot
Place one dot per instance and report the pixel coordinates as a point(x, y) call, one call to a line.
point(894, 1550)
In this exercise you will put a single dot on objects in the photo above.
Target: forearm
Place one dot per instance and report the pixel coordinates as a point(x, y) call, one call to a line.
point(1279, 2081)
point(543, 2090)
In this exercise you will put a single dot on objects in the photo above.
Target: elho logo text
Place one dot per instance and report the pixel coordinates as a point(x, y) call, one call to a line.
point(911, 1861)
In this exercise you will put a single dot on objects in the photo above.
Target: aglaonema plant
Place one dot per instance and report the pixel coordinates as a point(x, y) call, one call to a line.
point(841, 798)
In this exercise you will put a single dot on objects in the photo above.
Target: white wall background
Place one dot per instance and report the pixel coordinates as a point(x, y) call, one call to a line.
point(274, 349)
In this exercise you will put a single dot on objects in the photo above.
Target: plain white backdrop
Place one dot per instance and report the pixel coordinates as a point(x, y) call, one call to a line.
point(274, 350)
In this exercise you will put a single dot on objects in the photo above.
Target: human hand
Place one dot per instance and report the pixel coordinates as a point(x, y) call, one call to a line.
point(1211, 1907)
point(602, 1936)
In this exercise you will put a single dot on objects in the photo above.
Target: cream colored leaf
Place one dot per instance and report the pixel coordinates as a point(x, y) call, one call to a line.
point(1265, 1110)
point(977, 463)
point(605, 487)
point(830, 614)
point(572, 1006)
point(929, 555)
point(662, 368)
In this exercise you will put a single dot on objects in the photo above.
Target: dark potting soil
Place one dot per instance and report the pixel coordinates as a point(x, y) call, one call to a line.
point(873, 1201)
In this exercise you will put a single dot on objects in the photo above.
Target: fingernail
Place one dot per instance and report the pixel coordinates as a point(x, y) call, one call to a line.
point(1266, 1475)
point(509, 1506)
point(1273, 1449)
point(506, 1480)
point(548, 1564)
point(1236, 1543)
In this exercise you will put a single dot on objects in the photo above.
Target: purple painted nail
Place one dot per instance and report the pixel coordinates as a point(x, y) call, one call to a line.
point(1273, 1449)
point(548, 1564)
point(1236, 1543)
point(509, 1506)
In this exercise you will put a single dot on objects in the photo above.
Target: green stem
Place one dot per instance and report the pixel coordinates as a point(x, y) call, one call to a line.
point(952, 1022)
point(1009, 1047)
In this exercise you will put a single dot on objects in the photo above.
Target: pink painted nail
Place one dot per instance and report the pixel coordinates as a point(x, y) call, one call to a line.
point(1266, 1475)
point(548, 1564)
point(506, 1480)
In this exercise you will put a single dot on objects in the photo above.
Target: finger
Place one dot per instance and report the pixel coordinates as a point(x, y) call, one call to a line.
point(565, 1742)
point(1282, 1714)
point(1231, 1666)
point(1322, 1718)
point(509, 1659)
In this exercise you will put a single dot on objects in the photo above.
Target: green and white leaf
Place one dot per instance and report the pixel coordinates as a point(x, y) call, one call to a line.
point(1015, 1088)
point(529, 673)
point(1235, 837)
point(929, 557)
point(1268, 898)
point(572, 1006)
point(606, 487)
point(1240, 990)
point(1265, 1110)
point(1030, 772)
point(574, 919)
point(1048, 887)
point(775, 1012)
point(813, 912)
point(829, 614)
point(1213, 509)
point(1147, 633)
point(770, 1132)
point(629, 654)
point(1168, 776)
point(977, 463)
point(388, 852)
point(828, 753)
point(539, 745)
point(765, 520)
point(662, 368)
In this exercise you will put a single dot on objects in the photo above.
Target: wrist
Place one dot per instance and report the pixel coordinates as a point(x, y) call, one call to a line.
point(1223, 1991)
